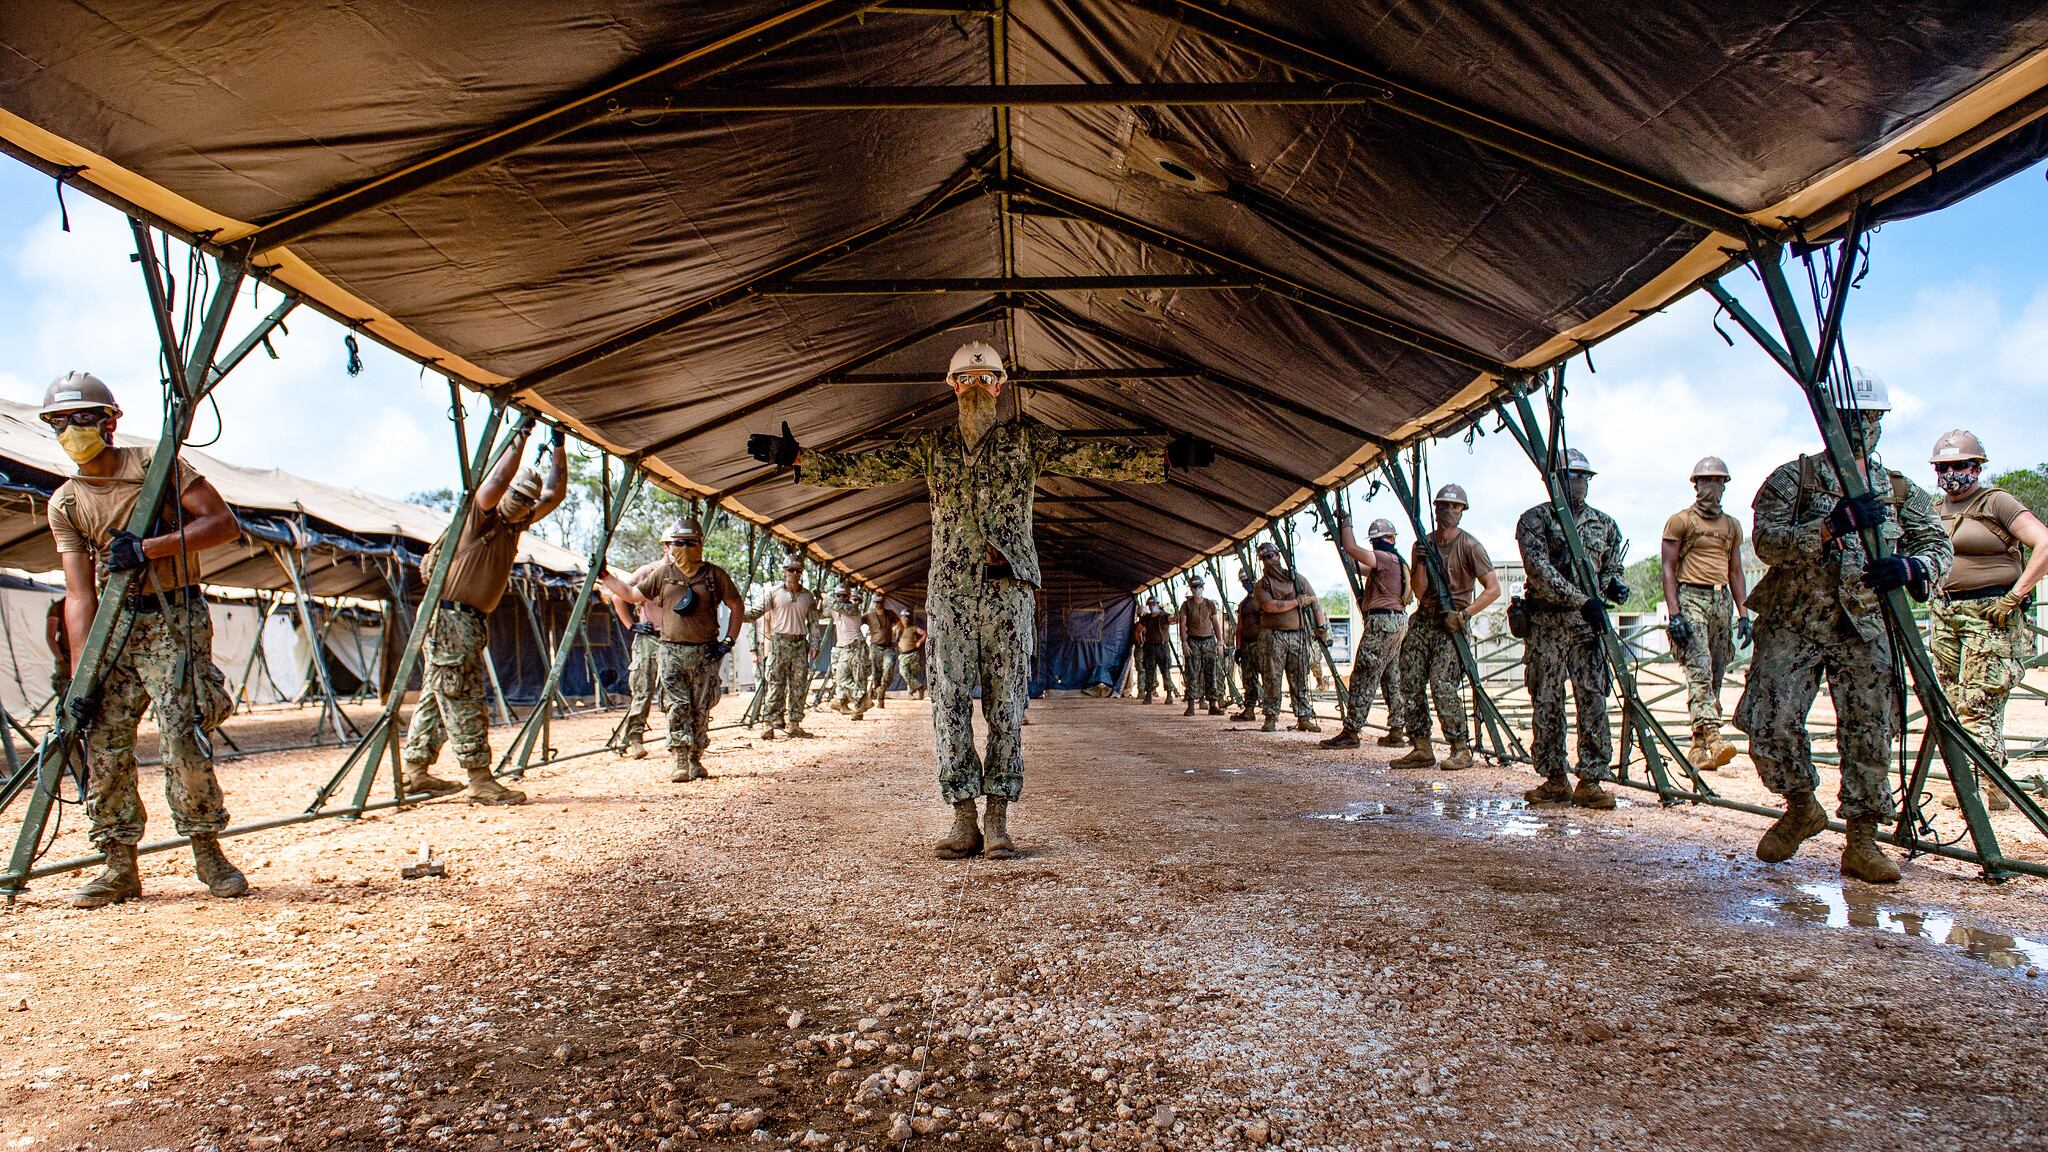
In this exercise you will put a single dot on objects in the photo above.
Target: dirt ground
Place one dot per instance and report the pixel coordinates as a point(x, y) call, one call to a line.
point(1216, 939)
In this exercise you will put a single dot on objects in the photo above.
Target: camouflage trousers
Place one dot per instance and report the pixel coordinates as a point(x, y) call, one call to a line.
point(167, 660)
point(1979, 664)
point(982, 635)
point(789, 673)
point(850, 671)
point(451, 708)
point(1251, 662)
point(1430, 668)
point(1154, 665)
point(1562, 649)
point(1711, 612)
point(1286, 656)
point(643, 676)
point(882, 662)
point(691, 683)
point(1204, 680)
point(1375, 665)
point(913, 668)
point(1784, 678)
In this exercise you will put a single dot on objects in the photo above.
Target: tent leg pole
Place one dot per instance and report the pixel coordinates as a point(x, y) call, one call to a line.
point(330, 708)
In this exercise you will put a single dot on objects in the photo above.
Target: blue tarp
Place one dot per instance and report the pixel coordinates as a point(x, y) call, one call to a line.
point(1082, 643)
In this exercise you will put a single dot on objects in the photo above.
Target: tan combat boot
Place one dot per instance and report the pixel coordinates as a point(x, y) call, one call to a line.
point(1272, 724)
point(1701, 750)
point(635, 751)
point(1804, 818)
point(119, 880)
point(797, 732)
point(418, 780)
point(965, 838)
point(1346, 738)
point(1396, 737)
point(221, 878)
point(1863, 859)
point(1461, 756)
point(1306, 724)
point(1215, 709)
point(995, 830)
point(1724, 752)
point(1423, 755)
point(485, 789)
point(1589, 794)
point(1553, 790)
point(1249, 713)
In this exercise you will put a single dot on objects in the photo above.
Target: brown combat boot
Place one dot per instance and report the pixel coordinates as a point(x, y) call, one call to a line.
point(1701, 750)
point(221, 878)
point(1306, 724)
point(1249, 713)
point(1461, 756)
point(119, 880)
point(1346, 738)
point(1553, 790)
point(995, 830)
point(485, 789)
point(1272, 724)
point(1423, 755)
point(1804, 818)
point(1589, 794)
point(1863, 859)
point(1190, 709)
point(1145, 698)
point(1215, 709)
point(1396, 737)
point(965, 838)
point(798, 732)
point(418, 780)
point(1724, 752)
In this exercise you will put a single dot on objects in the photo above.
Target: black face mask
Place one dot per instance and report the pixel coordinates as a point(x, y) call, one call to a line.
point(1385, 545)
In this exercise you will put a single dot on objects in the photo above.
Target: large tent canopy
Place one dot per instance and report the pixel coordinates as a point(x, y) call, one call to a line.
point(1308, 231)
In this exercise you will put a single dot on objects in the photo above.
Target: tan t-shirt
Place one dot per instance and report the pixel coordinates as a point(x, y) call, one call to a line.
point(1282, 588)
point(1983, 560)
point(665, 583)
point(1386, 589)
point(1465, 561)
point(84, 514)
point(881, 626)
point(484, 556)
point(1152, 627)
point(1198, 616)
point(1247, 620)
point(1704, 545)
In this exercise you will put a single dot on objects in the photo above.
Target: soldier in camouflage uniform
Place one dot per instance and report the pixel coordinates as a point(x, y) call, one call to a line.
point(691, 591)
point(1154, 662)
point(1430, 664)
point(790, 611)
point(643, 670)
point(1251, 655)
point(1201, 623)
point(1708, 605)
point(1978, 625)
point(1566, 619)
point(1291, 623)
point(1383, 580)
point(161, 649)
point(1818, 612)
point(849, 653)
point(882, 656)
point(984, 570)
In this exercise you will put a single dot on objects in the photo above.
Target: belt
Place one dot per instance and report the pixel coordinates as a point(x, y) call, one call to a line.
point(1702, 587)
point(1979, 593)
point(459, 606)
point(144, 602)
point(1384, 612)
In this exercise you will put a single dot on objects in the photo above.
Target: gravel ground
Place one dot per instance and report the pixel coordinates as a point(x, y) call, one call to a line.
point(1215, 939)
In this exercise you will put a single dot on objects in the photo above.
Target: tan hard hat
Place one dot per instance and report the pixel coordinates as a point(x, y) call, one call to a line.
point(526, 485)
point(1710, 468)
point(1381, 529)
point(1957, 447)
point(1452, 494)
point(74, 391)
point(684, 531)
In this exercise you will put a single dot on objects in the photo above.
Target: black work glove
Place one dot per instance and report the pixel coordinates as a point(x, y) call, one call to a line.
point(717, 649)
point(84, 709)
point(1888, 572)
point(1681, 632)
point(1617, 591)
point(124, 552)
point(780, 451)
point(557, 437)
point(1189, 451)
point(1594, 613)
point(1745, 632)
point(1858, 512)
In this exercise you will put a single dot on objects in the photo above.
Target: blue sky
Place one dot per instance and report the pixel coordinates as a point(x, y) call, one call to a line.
point(1953, 315)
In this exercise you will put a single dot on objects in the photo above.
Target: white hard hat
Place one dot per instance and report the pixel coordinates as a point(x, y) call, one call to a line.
point(975, 355)
point(1863, 393)
point(1575, 461)
point(1710, 468)
point(1452, 494)
point(1381, 529)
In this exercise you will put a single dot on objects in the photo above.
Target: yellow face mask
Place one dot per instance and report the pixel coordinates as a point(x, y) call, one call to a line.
point(82, 442)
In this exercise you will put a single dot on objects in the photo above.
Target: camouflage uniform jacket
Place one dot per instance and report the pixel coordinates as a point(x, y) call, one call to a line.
point(983, 501)
point(1810, 585)
point(1547, 559)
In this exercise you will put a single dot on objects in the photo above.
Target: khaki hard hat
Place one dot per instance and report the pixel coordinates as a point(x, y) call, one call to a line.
point(1862, 393)
point(977, 356)
point(1452, 494)
point(1710, 468)
point(526, 485)
point(793, 564)
point(1957, 447)
point(76, 391)
point(1382, 529)
point(1575, 461)
point(684, 531)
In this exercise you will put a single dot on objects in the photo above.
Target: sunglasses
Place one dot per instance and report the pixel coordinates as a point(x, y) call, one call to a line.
point(1952, 466)
point(83, 417)
point(991, 382)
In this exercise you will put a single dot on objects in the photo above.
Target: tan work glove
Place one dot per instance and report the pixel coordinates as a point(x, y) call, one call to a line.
point(1455, 621)
point(2001, 610)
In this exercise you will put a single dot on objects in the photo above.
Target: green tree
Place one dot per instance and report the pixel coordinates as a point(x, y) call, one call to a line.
point(2030, 485)
point(1645, 584)
point(1337, 603)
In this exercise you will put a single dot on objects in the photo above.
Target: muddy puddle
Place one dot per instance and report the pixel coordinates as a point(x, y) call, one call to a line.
point(1488, 815)
point(1827, 905)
